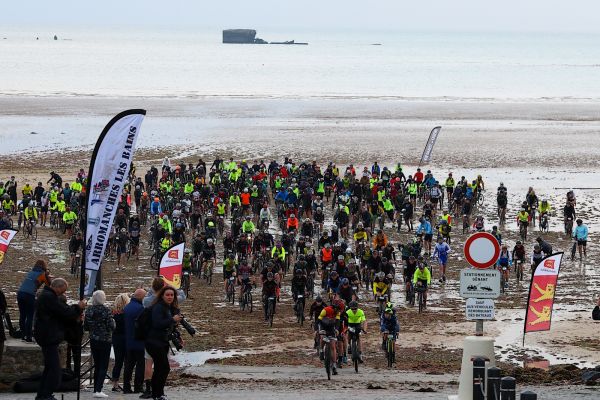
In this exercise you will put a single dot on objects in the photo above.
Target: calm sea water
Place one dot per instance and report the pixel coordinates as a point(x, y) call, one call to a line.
point(195, 63)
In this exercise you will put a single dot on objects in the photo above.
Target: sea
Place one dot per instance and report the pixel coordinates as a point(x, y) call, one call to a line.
point(191, 63)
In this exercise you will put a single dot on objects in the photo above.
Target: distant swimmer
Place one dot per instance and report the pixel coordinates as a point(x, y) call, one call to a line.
point(55, 37)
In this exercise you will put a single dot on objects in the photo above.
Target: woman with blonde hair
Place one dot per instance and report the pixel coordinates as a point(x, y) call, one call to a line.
point(118, 339)
point(99, 321)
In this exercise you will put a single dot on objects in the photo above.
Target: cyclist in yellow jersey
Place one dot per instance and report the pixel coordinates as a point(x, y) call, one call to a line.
point(543, 208)
point(69, 218)
point(357, 321)
point(422, 278)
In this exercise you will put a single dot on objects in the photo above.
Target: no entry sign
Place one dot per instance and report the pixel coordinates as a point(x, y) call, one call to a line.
point(482, 250)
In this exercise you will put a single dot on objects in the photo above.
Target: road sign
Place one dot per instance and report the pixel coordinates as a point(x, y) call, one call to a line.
point(480, 309)
point(482, 250)
point(479, 284)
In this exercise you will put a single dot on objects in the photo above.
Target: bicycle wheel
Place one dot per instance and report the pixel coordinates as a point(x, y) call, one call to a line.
point(480, 200)
point(355, 355)
point(249, 301)
point(390, 352)
point(420, 302)
point(242, 302)
point(153, 261)
point(34, 233)
point(327, 361)
point(271, 312)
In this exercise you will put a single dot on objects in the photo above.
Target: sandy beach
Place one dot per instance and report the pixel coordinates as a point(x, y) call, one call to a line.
point(547, 145)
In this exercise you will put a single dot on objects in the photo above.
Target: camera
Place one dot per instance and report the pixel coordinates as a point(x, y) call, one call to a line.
point(186, 325)
point(176, 340)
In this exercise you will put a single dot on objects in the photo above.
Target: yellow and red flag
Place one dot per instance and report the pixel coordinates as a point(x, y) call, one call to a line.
point(6, 235)
point(541, 294)
point(171, 265)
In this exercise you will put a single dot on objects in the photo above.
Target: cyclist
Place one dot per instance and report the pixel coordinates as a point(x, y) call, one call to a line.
point(248, 225)
point(166, 224)
point(244, 277)
point(75, 244)
point(479, 224)
point(441, 251)
point(380, 240)
point(278, 254)
point(298, 285)
point(315, 310)
point(523, 221)
point(31, 216)
point(229, 268)
point(518, 252)
point(357, 320)
point(269, 289)
point(504, 263)
point(329, 322)
point(544, 209)
point(380, 287)
point(536, 257)
point(545, 246)
point(496, 233)
point(422, 279)
point(580, 233)
point(69, 218)
point(389, 326)
point(569, 216)
point(292, 224)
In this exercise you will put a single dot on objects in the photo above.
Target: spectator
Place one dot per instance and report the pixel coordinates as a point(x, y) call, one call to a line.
point(580, 233)
point(596, 312)
point(135, 348)
point(2, 333)
point(99, 321)
point(118, 339)
point(165, 314)
point(34, 279)
point(157, 285)
point(51, 317)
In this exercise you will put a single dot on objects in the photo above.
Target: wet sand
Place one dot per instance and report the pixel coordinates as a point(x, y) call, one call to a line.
point(546, 145)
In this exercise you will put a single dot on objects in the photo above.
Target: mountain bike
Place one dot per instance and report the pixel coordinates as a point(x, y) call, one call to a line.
point(185, 283)
point(231, 290)
point(207, 270)
point(328, 361)
point(388, 345)
point(270, 310)
point(246, 299)
point(420, 290)
point(354, 338)
point(299, 308)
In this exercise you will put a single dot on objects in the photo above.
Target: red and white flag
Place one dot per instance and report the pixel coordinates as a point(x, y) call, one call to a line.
point(6, 235)
point(541, 294)
point(171, 265)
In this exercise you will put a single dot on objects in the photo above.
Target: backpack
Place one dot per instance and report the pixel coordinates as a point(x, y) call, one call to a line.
point(142, 324)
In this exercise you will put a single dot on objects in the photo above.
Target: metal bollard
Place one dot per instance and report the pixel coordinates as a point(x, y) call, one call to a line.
point(508, 388)
point(479, 378)
point(493, 383)
point(528, 395)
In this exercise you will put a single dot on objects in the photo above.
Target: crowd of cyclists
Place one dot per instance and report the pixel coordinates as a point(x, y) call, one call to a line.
point(326, 231)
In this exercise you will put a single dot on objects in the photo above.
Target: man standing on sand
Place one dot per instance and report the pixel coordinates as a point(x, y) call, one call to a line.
point(135, 348)
point(51, 317)
point(580, 234)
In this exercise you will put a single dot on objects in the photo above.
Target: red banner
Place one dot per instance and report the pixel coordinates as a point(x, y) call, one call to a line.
point(6, 235)
point(171, 265)
point(541, 294)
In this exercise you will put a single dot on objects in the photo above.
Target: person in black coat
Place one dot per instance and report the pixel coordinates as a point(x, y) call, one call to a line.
point(596, 312)
point(165, 315)
point(52, 316)
point(2, 333)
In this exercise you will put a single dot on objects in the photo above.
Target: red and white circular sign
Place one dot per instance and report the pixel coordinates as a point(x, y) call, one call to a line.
point(482, 250)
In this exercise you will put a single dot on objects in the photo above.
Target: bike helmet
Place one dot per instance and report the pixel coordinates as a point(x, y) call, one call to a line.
point(319, 299)
point(345, 281)
point(270, 275)
point(353, 304)
point(209, 241)
point(348, 251)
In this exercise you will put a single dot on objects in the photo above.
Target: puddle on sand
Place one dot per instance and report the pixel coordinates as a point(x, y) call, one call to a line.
point(198, 358)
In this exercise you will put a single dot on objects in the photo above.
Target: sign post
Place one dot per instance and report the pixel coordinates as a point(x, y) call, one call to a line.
point(481, 250)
